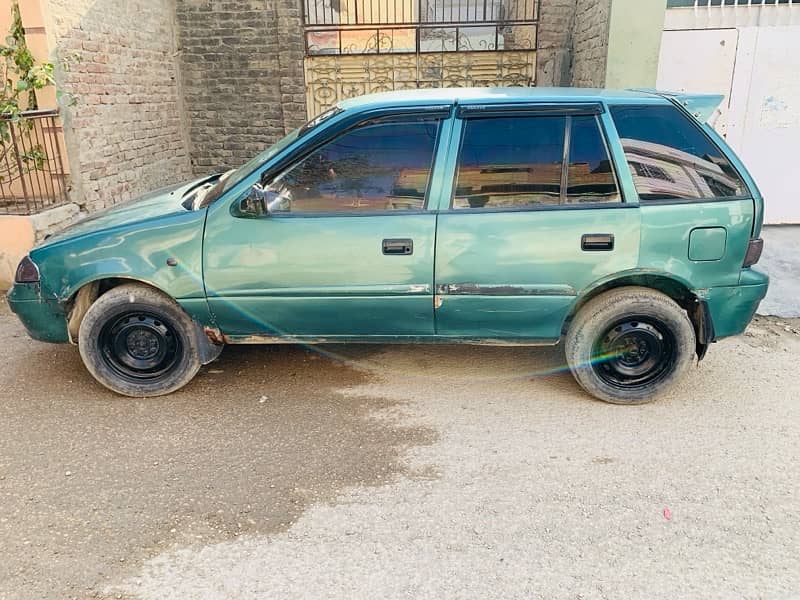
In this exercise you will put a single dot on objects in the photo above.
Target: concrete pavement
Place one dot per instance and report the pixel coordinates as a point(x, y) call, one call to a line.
point(781, 259)
point(400, 472)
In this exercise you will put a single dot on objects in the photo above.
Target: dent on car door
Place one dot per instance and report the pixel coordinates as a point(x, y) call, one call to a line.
point(347, 248)
point(536, 216)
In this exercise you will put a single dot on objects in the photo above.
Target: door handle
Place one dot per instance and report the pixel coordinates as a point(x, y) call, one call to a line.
point(597, 242)
point(398, 246)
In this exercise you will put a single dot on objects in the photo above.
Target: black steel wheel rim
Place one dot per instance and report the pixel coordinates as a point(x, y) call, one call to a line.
point(140, 346)
point(634, 352)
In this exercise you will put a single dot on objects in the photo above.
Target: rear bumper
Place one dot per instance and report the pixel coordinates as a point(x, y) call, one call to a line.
point(44, 318)
point(732, 308)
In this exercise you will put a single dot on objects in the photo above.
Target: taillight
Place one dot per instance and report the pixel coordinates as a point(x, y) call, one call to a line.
point(754, 250)
point(27, 271)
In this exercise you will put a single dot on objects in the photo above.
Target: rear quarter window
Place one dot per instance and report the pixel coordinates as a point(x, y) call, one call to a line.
point(671, 158)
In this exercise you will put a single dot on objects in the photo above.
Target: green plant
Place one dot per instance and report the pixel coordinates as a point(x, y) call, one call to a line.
point(22, 77)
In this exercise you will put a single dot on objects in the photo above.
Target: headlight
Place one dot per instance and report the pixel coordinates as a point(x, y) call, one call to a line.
point(27, 271)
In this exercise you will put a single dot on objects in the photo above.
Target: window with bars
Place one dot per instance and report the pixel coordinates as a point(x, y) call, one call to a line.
point(650, 171)
point(334, 27)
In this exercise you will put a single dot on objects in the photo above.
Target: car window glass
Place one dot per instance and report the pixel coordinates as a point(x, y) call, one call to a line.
point(258, 161)
point(510, 162)
point(671, 158)
point(377, 167)
point(591, 176)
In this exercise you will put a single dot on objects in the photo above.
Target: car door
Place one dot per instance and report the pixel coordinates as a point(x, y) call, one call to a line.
point(347, 247)
point(535, 216)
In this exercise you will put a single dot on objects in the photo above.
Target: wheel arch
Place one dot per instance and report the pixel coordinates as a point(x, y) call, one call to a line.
point(674, 287)
point(82, 298)
point(83, 295)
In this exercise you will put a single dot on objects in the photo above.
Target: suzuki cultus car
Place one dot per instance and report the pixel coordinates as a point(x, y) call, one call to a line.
point(618, 223)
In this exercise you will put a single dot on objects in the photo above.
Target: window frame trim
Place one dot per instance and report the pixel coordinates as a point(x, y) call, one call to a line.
point(567, 110)
point(532, 109)
point(673, 102)
point(439, 113)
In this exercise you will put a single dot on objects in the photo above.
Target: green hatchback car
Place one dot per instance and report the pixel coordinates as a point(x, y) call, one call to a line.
point(618, 222)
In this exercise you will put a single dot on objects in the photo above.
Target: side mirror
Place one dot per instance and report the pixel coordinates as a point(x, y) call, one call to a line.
point(253, 205)
point(261, 202)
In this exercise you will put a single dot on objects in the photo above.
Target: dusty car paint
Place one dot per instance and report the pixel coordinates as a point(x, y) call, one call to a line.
point(506, 276)
point(133, 241)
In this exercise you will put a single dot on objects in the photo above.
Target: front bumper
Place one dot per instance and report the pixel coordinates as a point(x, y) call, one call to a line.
point(732, 308)
point(45, 319)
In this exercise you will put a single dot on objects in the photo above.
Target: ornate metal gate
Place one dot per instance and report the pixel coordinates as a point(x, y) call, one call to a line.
point(356, 47)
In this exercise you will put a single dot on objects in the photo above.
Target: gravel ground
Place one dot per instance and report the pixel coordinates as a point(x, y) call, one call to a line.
point(400, 472)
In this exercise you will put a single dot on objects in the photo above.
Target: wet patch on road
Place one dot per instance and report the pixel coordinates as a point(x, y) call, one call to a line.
point(92, 484)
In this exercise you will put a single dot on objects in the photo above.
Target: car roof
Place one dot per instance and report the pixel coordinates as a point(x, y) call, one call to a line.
point(494, 95)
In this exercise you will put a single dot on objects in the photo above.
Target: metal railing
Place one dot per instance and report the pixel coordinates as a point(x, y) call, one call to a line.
point(32, 174)
point(417, 26)
point(723, 3)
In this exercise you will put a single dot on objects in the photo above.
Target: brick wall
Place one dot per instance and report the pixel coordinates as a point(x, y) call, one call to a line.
point(554, 42)
point(290, 39)
point(590, 42)
point(125, 135)
point(242, 76)
point(242, 72)
point(167, 88)
point(573, 43)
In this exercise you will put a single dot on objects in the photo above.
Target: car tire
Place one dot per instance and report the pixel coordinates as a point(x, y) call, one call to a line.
point(629, 345)
point(139, 342)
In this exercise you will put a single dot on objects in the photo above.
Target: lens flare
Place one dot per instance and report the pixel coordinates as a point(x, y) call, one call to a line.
point(413, 369)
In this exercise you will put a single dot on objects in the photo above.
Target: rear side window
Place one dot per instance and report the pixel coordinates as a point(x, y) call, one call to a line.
point(533, 161)
point(671, 158)
point(510, 162)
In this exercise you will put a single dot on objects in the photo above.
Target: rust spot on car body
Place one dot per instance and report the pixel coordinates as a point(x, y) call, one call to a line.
point(215, 336)
point(504, 289)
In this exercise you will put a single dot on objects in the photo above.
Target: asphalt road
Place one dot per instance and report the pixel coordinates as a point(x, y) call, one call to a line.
point(400, 472)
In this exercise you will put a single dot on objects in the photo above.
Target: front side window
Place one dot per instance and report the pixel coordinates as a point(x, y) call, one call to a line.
point(533, 161)
point(375, 167)
point(670, 158)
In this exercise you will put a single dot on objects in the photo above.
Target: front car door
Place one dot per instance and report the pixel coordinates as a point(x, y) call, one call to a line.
point(535, 216)
point(347, 249)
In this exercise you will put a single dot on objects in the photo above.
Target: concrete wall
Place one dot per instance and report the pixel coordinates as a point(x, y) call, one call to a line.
point(634, 41)
point(242, 76)
point(18, 234)
point(599, 43)
point(17, 237)
point(615, 43)
point(125, 135)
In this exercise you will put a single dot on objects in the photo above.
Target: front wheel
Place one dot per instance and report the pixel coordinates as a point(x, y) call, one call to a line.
point(138, 342)
point(629, 345)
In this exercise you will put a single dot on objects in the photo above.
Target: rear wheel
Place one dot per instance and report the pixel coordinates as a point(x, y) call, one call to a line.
point(629, 345)
point(137, 341)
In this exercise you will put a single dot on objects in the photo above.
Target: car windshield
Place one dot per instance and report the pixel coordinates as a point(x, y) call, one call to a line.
point(235, 176)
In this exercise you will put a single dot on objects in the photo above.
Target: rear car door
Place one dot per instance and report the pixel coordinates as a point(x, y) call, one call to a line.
point(535, 215)
point(347, 250)
point(698, 214)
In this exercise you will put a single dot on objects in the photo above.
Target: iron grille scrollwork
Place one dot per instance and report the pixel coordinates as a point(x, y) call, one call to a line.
point(355, 47)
